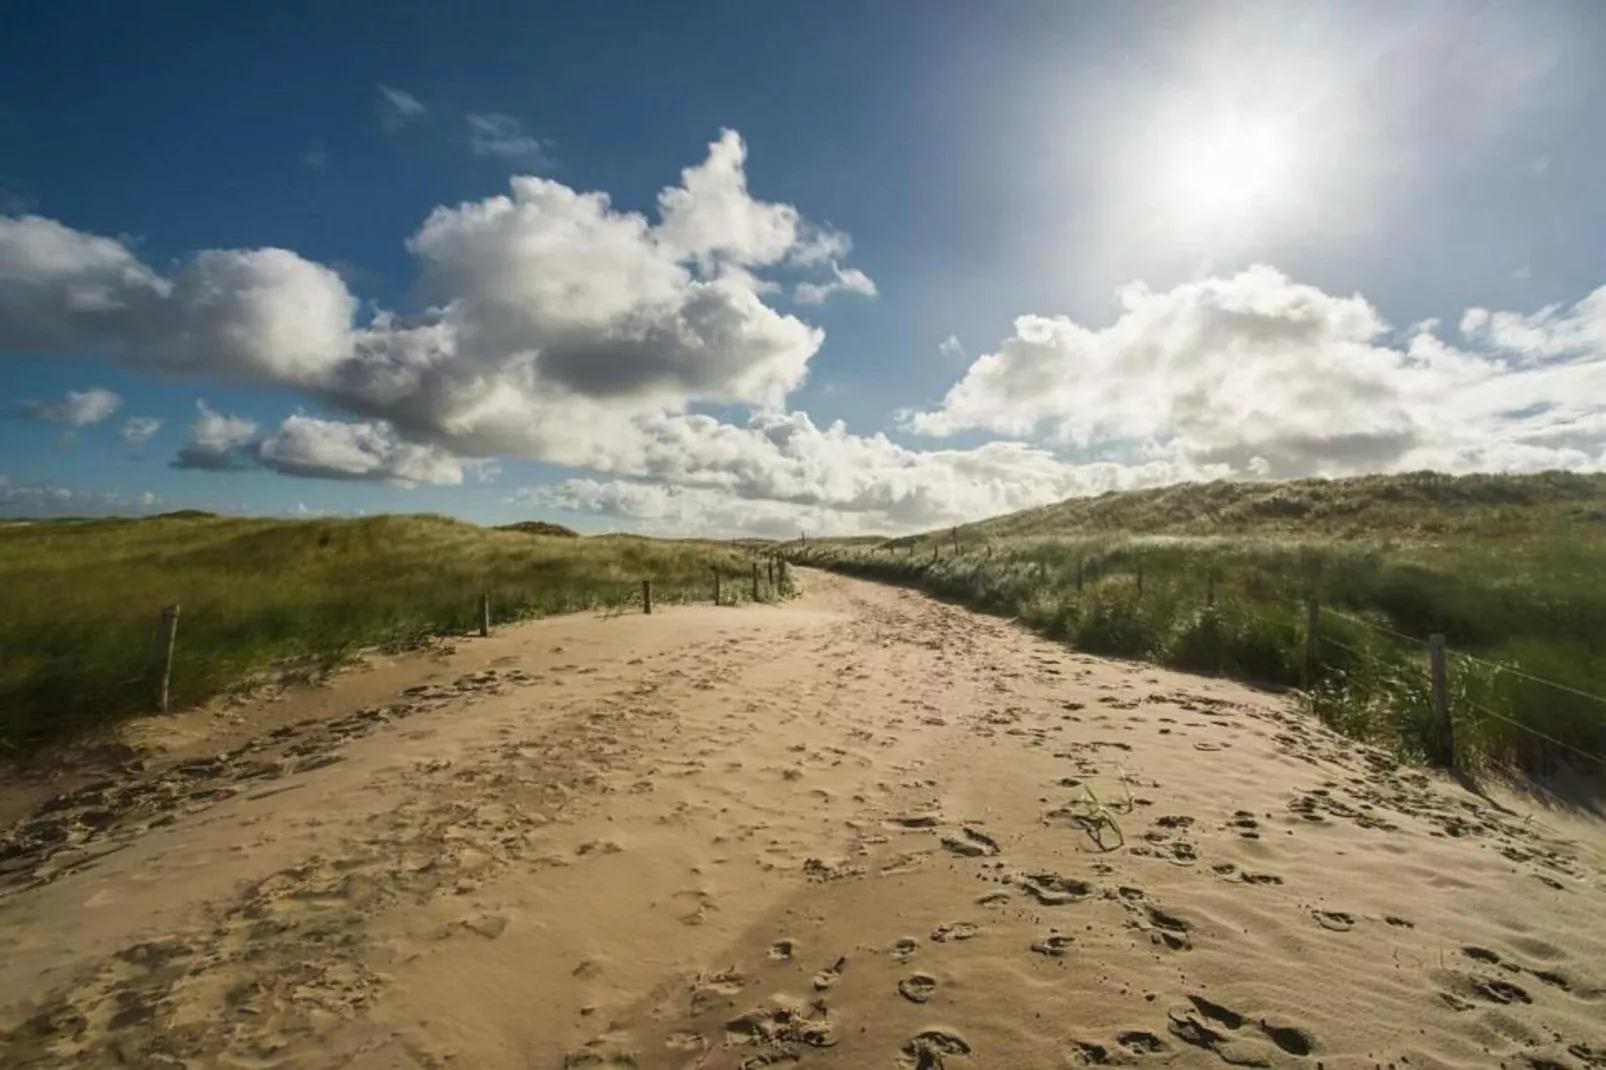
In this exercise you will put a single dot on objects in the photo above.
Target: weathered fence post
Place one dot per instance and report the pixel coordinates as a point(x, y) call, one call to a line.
point(956, 542)
point(1210, 589)
point(646, 597)
point(169, 641)
point(1078, 575)
point(1313, 618)
point(755, 581)
point(771, 562)
point(1140, 577)
point(485, 616)
point(1445, 740)
point(934, 553)
point(716, 586)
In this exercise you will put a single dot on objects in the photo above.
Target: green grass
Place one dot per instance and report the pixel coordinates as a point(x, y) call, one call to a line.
point(83, 600)
point(1510, 569)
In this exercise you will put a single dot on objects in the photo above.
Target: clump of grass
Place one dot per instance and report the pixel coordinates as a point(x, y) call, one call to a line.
point(82, 600)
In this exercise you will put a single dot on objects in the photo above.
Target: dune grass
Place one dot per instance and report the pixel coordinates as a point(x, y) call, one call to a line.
point(1509, 569)
point(81, 600)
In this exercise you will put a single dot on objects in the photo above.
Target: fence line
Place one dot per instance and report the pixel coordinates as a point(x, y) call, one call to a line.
point(163, 655)
point(837, 555)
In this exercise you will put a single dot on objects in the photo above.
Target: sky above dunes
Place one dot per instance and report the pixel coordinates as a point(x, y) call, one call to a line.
point(839, 268)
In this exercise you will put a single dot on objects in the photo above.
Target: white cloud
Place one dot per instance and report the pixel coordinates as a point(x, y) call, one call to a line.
point(331, 449)
point(1228, 370)
point(217, 442)
point(55, 500)
point(79, 408)
point(554, 316)
point(138, 430)
point(503, 136)
point(397, 107)
point(951, 348)
point(782, 464)
point(850, 280)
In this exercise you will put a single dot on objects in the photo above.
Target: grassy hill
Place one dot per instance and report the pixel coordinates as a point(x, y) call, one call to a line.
point(1414, 506)
point(1214, 577)
point(82, 598)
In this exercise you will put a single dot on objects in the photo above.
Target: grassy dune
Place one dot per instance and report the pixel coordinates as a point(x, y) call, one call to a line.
point(81, 599)
point(1512, 570)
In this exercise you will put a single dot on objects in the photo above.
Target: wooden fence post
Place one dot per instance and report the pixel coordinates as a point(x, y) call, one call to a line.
point(934, 553)
point(646, 597)
point(771, 561)
point(1313, 620)
point(169, 641)
point(1140, 577)
point(1210, 590)
point(1078, 575)
point(755, 581)
point(485, 616)
point(716, 586)
point(1441, 701)
point(956, 542)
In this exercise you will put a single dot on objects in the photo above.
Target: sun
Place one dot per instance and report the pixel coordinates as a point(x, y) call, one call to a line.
point(1229, 171)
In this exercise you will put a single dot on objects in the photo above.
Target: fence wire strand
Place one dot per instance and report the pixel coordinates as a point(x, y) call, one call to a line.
point(1385, 629)
point(1487, 712)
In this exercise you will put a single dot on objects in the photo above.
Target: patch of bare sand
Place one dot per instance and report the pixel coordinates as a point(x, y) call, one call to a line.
point(862, 829)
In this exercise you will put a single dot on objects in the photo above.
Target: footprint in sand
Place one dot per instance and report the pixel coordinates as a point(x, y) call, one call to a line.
point(1335, 920)
point(1054, 946)
point(904, 948)
point(955, 931)
point(918, 987)
point(1051, 889)
point(828, 977)
point(976, 843)
point(1170, 929)
point(782, 950)
point(928, 1049)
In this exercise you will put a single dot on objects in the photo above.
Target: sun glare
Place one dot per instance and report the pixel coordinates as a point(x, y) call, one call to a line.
point(1229, 171)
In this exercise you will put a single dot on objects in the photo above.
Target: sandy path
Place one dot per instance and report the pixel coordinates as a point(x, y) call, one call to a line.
point(851, 831)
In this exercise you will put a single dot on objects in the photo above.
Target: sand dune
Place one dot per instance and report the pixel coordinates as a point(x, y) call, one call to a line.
point(864, 829)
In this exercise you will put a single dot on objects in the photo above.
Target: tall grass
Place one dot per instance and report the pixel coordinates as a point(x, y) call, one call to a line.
point(1235, 605)
point(80, 600)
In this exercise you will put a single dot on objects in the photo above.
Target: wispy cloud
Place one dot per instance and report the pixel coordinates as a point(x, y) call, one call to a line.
point(137, 430)
point(79, 408)
point(397, 107)
point(503, 136)
point(51, 499)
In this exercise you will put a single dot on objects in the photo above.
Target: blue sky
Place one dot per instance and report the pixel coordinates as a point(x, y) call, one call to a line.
point(858, 266)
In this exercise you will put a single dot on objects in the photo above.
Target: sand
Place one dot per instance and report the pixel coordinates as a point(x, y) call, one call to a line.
point(864, 829)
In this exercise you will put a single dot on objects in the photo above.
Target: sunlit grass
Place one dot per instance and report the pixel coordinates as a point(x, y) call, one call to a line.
point(81, 600)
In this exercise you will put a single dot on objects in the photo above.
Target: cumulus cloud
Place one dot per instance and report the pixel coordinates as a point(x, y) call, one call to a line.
point(850, 280)
point(503, 136)
point(216, 442)
point(332, 449)
point(784, 465)
point(79, 408)
point(1272, 377)
point(551, 311)
point(397, 107)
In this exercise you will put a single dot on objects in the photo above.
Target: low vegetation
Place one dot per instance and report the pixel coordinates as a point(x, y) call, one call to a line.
point(82, 600)
point(1215, 578)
